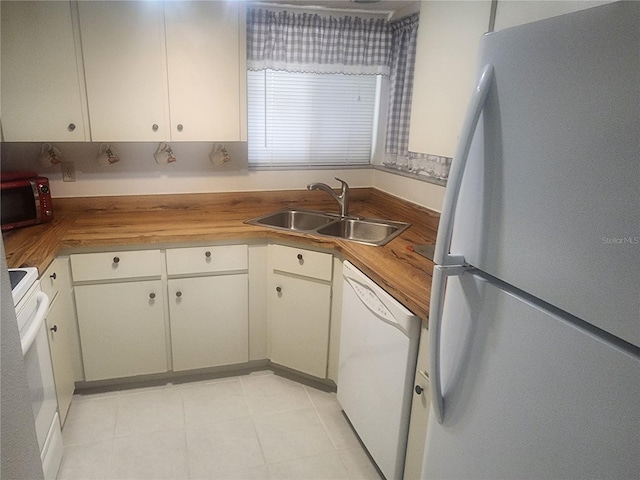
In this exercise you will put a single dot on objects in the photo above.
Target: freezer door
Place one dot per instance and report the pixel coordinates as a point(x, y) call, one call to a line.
point(550, 199)
point(529, 393)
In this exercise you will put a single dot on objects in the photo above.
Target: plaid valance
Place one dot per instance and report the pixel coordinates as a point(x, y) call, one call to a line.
point(308, 42)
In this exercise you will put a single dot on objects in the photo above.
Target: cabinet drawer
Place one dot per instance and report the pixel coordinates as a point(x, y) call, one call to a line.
point(115, 265)
point(301, 262)
point(182, 261)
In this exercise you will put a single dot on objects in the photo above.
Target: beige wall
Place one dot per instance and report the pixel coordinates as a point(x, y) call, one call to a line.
point(138, 173)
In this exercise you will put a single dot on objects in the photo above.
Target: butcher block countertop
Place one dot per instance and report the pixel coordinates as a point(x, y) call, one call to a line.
point(99, 223)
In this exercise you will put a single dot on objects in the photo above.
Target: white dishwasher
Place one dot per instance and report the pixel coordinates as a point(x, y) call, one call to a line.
point(378, 351)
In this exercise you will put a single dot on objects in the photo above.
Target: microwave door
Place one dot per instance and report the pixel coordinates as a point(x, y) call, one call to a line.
point(20, 205)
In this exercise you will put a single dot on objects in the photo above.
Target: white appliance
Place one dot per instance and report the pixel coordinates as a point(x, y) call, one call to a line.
point(31, 309)
point(378, 350)
point(535, 307)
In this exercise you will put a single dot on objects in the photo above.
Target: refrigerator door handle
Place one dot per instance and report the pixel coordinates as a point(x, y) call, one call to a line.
point(440, 275)
point(442, 256)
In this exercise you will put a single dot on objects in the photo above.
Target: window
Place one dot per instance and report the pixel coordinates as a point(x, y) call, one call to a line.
point(312, 119)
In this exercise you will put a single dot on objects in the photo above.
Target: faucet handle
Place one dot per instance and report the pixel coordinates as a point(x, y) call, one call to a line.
point(345, 185)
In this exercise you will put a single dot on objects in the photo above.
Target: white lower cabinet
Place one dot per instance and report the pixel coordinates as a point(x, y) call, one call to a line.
point(209, 321)
point(209, 315)
point(420, 404)
point(299, 309)
point(122, 329)
point(56, 283)
point(151, 311)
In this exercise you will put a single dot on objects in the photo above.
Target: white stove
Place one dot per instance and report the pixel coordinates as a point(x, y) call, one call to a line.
point(32, 306)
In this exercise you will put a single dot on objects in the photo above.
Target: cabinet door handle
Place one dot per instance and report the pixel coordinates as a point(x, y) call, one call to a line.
point(152, 295)
point(178, 294)
point(53, 276)
point(116, 259)
point(71, 127)
point(180, 127)
point(279, 289)
point(54, 328)
point(154, 127)
point(207, 254)
point(419, 389)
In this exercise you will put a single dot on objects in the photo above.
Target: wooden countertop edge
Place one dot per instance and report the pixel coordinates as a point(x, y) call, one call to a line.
point(94, 223)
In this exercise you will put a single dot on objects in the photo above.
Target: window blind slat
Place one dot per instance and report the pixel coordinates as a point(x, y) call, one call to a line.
point(310, 119)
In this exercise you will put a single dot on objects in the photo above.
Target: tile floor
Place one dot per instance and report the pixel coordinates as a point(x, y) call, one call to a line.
point(256, 426)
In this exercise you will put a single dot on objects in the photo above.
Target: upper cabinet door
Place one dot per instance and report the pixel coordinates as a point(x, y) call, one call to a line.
point(123, 49)
point(446, 56)
point(203, 58)
point(41, 88)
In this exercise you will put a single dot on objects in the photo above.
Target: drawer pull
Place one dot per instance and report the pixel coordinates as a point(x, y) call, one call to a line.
point(300, 257)
point(207, 254)
point(71, 127)
point(178, 294)
point(116, 259)
point(54, 328)
point(152, 296)
point(53, 276)
point(279, 289)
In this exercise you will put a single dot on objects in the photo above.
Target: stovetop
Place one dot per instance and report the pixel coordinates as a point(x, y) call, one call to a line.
point(21, 280)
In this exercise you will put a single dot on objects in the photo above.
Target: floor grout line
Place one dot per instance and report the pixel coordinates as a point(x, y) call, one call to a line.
point(318, 403)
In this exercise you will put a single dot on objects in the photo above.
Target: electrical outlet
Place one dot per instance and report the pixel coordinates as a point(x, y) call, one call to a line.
point(68, 172)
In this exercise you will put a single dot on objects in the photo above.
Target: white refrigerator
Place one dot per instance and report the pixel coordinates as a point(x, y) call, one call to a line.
point(534, 329)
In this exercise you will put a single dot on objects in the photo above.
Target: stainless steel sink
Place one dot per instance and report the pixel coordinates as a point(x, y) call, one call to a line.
point(361, 230)
point(374, 232)
point(296, 220)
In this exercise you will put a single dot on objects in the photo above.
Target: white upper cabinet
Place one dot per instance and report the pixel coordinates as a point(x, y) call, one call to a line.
point(203, 58)
point(162, 71)
point(510, 13)
point(125, 69)
point(445, 70)
point(41, 85)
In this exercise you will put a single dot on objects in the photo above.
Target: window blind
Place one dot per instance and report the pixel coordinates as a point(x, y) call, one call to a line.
point(310, 119)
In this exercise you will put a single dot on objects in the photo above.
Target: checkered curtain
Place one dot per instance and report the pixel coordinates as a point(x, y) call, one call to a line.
point(397, 155)
point(403, 59)
point(308, 42)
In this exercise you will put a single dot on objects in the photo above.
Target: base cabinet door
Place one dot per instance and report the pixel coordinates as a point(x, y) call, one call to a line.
point(209, 321)
point(420, 405)
point(60, 323)
point(122, 329)
point(298, 315)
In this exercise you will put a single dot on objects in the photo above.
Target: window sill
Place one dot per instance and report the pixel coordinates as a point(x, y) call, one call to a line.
point(415, 176)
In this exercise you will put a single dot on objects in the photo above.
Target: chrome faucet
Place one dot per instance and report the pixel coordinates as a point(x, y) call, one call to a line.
point(342, 199)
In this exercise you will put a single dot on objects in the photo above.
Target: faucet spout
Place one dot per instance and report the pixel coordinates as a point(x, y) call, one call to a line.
point(342, 199)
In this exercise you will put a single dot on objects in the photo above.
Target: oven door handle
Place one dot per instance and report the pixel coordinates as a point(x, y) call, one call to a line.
point(38, 320)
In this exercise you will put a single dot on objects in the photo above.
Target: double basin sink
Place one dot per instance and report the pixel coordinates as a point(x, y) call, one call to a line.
point(356, 229)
